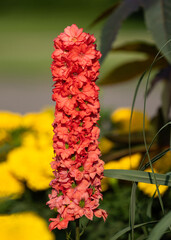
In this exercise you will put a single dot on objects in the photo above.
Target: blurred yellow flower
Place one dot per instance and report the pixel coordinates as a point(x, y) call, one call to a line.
point(31, 165)
point(150, 189)
point(24, 226)
point(125, 162)
point(163, 165)
point(41, 122)
point(38, 140)
point(9, 185)
point(3, 135)
point(9, 120)
point(105, 145)
point(121, 118)
point(106, 182)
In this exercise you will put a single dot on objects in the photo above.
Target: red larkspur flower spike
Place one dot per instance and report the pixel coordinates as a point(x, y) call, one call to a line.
point(76, 188)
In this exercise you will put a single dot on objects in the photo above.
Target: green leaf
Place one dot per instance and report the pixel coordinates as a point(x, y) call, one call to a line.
point(160, 227)
point(138, 176)
point(112, 26)
point(166, 99)
point(132, 209)
point(137, 46)
point(118, 153)
point(128, 229)
point(158, 19)
point(129, 70)
point(136, 137)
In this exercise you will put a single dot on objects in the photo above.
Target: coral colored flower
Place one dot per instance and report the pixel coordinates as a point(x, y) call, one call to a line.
point(76, 188)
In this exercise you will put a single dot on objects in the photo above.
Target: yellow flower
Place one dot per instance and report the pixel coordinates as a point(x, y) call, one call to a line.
point(9, 185)
point(24, 226)
point(41, 122)
point(163, 165)
point(10, 120)
point(122, 163)
point(150, 189)
point(106, 182)
point(105, 145)
point(125, 162)
point(31, 165)
point(121, 118)
point(38, 140)
point(3, 135)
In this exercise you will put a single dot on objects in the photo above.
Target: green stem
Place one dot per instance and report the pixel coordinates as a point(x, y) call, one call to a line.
point(77, 230)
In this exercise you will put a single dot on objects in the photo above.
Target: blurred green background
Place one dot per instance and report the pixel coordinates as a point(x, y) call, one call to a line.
point(26, 43)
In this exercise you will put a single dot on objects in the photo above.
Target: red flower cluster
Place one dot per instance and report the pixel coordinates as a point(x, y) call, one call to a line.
point(77, 168)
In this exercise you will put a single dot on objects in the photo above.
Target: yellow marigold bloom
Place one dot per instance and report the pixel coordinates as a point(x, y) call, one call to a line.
point(41, 122)
point(105, 145)
point(10, 120)
point(122, 163)
point(125, 162)
point(150, 189)
point(37, 140)
point(121, 118)
point(3, 135)
point(163, 165)
point(31, 165)
point(9, 185)
point(24, 226)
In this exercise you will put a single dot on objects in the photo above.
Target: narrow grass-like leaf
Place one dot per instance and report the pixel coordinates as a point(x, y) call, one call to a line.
point(154, 138)
point(128, 229)
point(144, 111)
point(132, 109)
point(149, 206)
point(133, 192)
point(132, 209)
point(160, 227)
point(157, 157)
point(138, 176)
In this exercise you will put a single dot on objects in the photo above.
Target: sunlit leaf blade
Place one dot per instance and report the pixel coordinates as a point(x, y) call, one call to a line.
point(158, 21)
point(128, 229)
point(104, 15)
point(160, 227)
point(129, 70)
point(112, 26)
point(138, 176)
point(137, 46)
